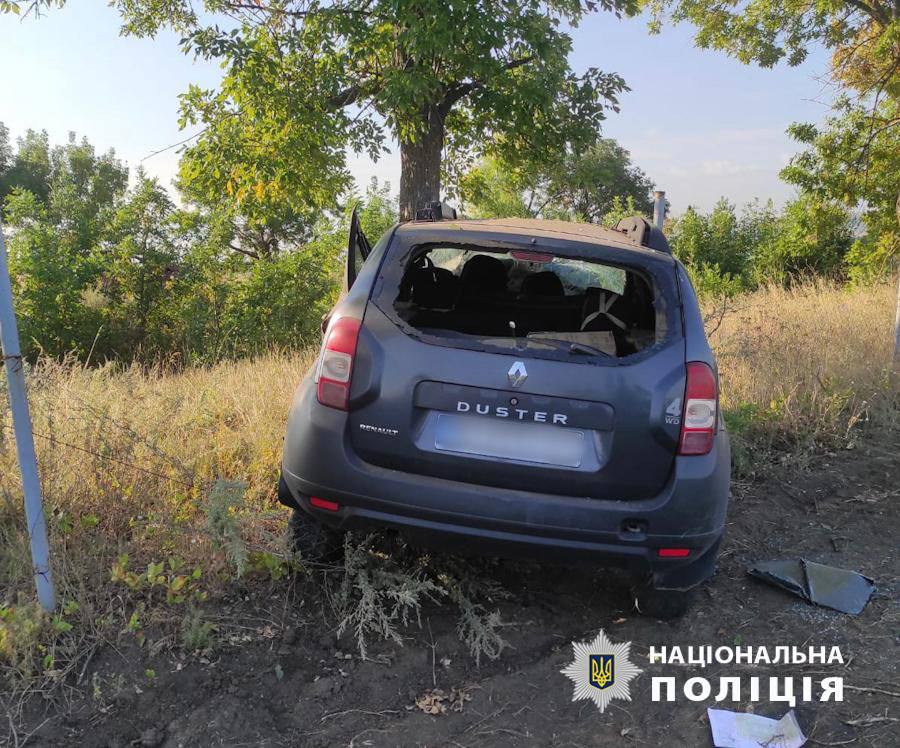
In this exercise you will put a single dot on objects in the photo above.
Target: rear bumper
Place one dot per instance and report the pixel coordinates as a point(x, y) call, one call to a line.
point(688, 513)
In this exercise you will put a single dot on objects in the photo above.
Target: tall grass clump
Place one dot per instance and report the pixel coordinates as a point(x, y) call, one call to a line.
point(805, 367)
point(158, 486)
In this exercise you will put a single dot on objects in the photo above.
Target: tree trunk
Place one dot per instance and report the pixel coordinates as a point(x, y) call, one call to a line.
point(420, 166)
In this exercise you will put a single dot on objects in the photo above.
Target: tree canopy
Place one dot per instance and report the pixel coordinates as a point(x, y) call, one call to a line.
point(580, 186)
point(853, 158)
point(103, 271)
point(306, 79)
point(863, 35)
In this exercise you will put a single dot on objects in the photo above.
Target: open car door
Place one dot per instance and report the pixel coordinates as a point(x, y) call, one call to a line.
point(358, 249)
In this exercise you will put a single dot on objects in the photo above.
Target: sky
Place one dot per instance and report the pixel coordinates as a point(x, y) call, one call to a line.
point(700, 124)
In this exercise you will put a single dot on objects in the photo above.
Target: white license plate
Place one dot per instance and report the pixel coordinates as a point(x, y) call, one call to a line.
point(509, 440)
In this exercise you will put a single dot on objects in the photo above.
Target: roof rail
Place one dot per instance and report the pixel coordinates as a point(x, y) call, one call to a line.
point(435, 210)
point(642, 233)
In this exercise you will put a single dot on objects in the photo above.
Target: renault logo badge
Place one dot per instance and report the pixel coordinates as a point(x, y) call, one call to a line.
point(517, 374)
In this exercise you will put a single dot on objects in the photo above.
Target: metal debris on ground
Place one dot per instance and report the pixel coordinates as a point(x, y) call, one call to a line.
point(739, 730)
point(838, 589)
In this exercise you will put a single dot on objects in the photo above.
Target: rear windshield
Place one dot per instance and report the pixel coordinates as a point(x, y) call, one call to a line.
point(532, 301)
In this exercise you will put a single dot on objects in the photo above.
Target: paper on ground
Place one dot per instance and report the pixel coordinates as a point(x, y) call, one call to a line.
point(739, 730)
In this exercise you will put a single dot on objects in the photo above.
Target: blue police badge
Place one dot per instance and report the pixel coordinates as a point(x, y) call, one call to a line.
point(602, 670)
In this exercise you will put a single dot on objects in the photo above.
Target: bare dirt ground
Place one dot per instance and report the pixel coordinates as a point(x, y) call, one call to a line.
point(282, 678)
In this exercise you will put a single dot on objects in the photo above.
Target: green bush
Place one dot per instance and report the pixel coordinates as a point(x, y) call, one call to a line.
point(103, 272)
point(726, 252)
point(813, 237)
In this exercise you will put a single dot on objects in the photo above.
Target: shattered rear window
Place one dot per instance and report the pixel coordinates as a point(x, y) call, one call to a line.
point(529, 300)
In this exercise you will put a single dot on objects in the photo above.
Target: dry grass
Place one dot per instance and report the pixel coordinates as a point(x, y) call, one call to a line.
point(130, 461)
point(139, 450)
point(807, 367)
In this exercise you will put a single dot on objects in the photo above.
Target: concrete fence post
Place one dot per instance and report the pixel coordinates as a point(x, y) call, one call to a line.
point(18, 404)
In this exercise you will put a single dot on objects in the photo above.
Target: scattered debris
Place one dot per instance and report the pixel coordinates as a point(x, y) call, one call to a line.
point(151, 738)
point(828, 586)
point(437, 700)
point(739, 730)
point(870, 720)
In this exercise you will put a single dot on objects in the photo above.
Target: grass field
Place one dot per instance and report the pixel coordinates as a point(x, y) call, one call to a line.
point(159, 485)
point(804, 368)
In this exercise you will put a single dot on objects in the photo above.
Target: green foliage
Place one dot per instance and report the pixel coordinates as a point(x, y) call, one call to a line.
point(855, 159)
point(31, 640)
point(872, 258)
point(619, 209)
point(27, 169)
point(722, 239)
point(726, 252)
point(582, 185)
point(492, 189)
point(710, 282)
point(304, 81)
point(812, 237)
point(53, 248)
point(223, 522)
point(159, 578)
point(197, 634)
point(377, 211)
point(21, 630)
point(863, 36)
point(105, 272)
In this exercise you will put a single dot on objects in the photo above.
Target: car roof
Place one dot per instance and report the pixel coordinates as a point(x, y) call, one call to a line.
point(525, 228)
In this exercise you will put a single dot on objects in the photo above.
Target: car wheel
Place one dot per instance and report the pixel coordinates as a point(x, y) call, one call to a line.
point(662, 604)
point(313, 540)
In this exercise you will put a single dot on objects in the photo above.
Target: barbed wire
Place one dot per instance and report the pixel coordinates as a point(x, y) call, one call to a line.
point(110, 458)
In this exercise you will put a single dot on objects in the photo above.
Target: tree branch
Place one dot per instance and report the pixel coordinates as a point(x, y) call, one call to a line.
point(248, 252)
point(456, 91)
point(875, 11)
point(289, 13)
point(346, 97)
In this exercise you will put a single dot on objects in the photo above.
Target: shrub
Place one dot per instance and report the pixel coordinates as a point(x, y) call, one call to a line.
point(812, 238)
point(383, 591)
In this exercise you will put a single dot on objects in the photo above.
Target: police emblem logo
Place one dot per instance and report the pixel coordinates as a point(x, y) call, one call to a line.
point(601, 670)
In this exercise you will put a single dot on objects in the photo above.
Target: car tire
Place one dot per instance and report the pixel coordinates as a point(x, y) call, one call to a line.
point(313, 540)
point(664, 605)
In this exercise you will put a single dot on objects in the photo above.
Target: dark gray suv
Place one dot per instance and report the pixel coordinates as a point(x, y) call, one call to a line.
point(509, 387)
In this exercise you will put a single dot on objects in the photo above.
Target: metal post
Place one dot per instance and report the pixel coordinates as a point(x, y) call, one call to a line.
point(897, 331)
point(18, 404)
point(896, 366)
point(659, 208)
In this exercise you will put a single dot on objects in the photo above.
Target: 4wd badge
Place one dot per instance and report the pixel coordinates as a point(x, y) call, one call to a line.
point(517, 374)
point(673, 412)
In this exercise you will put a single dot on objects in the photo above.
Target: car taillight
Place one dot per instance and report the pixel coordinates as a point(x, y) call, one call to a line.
point(336, 362)
point(698, 422)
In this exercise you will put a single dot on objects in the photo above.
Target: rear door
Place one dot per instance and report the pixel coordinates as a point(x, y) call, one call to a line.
point(358, 249)
point(582, 426)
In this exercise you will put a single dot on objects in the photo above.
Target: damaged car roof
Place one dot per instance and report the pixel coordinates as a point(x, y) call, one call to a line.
point(512, 229)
